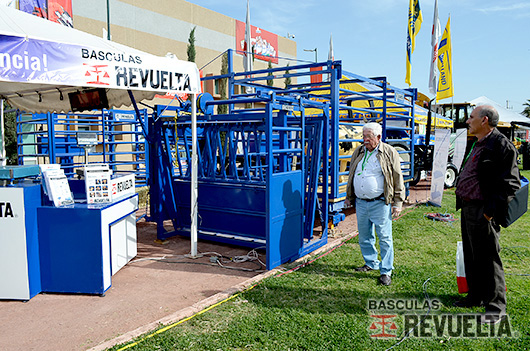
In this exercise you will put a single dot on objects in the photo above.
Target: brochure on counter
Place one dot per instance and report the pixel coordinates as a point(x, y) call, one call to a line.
point(56, 185)
point(97, 183)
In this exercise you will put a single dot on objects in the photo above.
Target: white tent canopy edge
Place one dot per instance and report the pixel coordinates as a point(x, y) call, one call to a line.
point(42, 61)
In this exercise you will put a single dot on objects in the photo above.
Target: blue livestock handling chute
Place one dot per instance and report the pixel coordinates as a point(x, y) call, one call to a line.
point(274, 166)
point(353, 101)
point(258, 173)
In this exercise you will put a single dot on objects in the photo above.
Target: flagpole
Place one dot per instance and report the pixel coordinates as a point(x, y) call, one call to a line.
point(435, 37)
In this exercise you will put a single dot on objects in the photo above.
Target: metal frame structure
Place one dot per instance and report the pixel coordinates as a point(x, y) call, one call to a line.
point(264, 171)
point(258, 174)
point(53, 137)
point(354, 100)
point(270, 165)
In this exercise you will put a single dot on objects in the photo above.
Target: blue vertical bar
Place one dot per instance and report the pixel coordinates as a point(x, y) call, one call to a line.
point(302, 161)
point(270, 163)
point(384, 85)
point(51, 136)
point(144, 126)
point(18, 127)
point(325, 175)
point(104, 138)
point(105, 117)
point(334, 142)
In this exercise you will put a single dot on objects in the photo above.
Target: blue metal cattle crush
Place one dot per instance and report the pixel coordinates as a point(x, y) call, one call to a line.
point(354, 100)
point(264, 167)
point(53, 138)
point(258, 174)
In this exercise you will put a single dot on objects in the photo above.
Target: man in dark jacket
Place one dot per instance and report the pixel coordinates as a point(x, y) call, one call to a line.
point(488, 180)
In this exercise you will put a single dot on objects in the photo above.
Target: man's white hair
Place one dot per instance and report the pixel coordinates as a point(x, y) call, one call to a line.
point(374, 127)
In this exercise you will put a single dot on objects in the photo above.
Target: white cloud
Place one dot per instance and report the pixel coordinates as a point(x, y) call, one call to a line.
point(506, 8)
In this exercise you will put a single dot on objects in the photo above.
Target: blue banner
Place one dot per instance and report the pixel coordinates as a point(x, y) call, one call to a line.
point(39, 61)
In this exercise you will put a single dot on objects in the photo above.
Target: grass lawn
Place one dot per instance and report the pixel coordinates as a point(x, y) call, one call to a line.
point(326, 305)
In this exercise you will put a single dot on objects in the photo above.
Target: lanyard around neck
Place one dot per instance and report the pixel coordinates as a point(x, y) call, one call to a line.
point(470, 152)
point(367, 156)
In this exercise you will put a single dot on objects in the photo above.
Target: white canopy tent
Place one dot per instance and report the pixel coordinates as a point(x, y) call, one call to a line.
point(41, 62)
point(505, 115)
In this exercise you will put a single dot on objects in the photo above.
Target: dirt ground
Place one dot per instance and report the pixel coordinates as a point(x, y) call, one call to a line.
point(143, 294)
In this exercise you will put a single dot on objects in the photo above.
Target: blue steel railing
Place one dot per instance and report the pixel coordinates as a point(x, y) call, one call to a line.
point(258, 173)
point(52, 138)
point(354, 100)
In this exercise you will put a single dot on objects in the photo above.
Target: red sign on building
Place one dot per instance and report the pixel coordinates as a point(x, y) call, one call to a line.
point(264, 43)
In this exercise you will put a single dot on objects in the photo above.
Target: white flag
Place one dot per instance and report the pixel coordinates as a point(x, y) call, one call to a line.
point(436, 33)
point(247, 57)
point(331, 56)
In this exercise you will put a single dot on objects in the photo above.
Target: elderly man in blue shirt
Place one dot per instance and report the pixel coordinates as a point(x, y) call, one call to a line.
point(376, 188)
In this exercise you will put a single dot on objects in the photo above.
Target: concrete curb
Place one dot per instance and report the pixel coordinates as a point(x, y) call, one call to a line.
point(201, 305)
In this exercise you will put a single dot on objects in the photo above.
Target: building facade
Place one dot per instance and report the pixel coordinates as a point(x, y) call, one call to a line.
point(163, 26)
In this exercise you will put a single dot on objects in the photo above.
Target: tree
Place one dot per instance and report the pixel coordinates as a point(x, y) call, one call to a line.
point(270, 82)
point(10, 135)
point(526, 111)
point(191, 46)
point(223, 109)
point(287, 79)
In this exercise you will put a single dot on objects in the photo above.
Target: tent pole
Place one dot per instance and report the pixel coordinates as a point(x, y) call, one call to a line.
point(2, 135)
point(194, 166)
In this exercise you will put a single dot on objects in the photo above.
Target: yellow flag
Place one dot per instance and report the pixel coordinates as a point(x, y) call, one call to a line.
point(445, 80)
point(415, 19)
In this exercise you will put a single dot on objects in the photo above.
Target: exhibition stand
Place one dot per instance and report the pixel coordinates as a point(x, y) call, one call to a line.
point(48, 245)
point(54, 241)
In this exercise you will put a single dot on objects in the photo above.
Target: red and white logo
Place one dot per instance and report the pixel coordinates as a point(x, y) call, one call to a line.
point(97, 72)
point(384, 327)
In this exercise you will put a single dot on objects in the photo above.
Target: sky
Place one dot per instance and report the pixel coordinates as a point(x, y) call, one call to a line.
point(490, 40)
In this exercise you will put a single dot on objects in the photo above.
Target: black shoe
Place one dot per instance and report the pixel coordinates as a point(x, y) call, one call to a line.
point(364, 268)
point(467, 303)
point(385, 279)
point(491, 318)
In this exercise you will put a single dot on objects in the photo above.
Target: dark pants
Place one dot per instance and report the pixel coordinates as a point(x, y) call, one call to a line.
point(484, 272)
